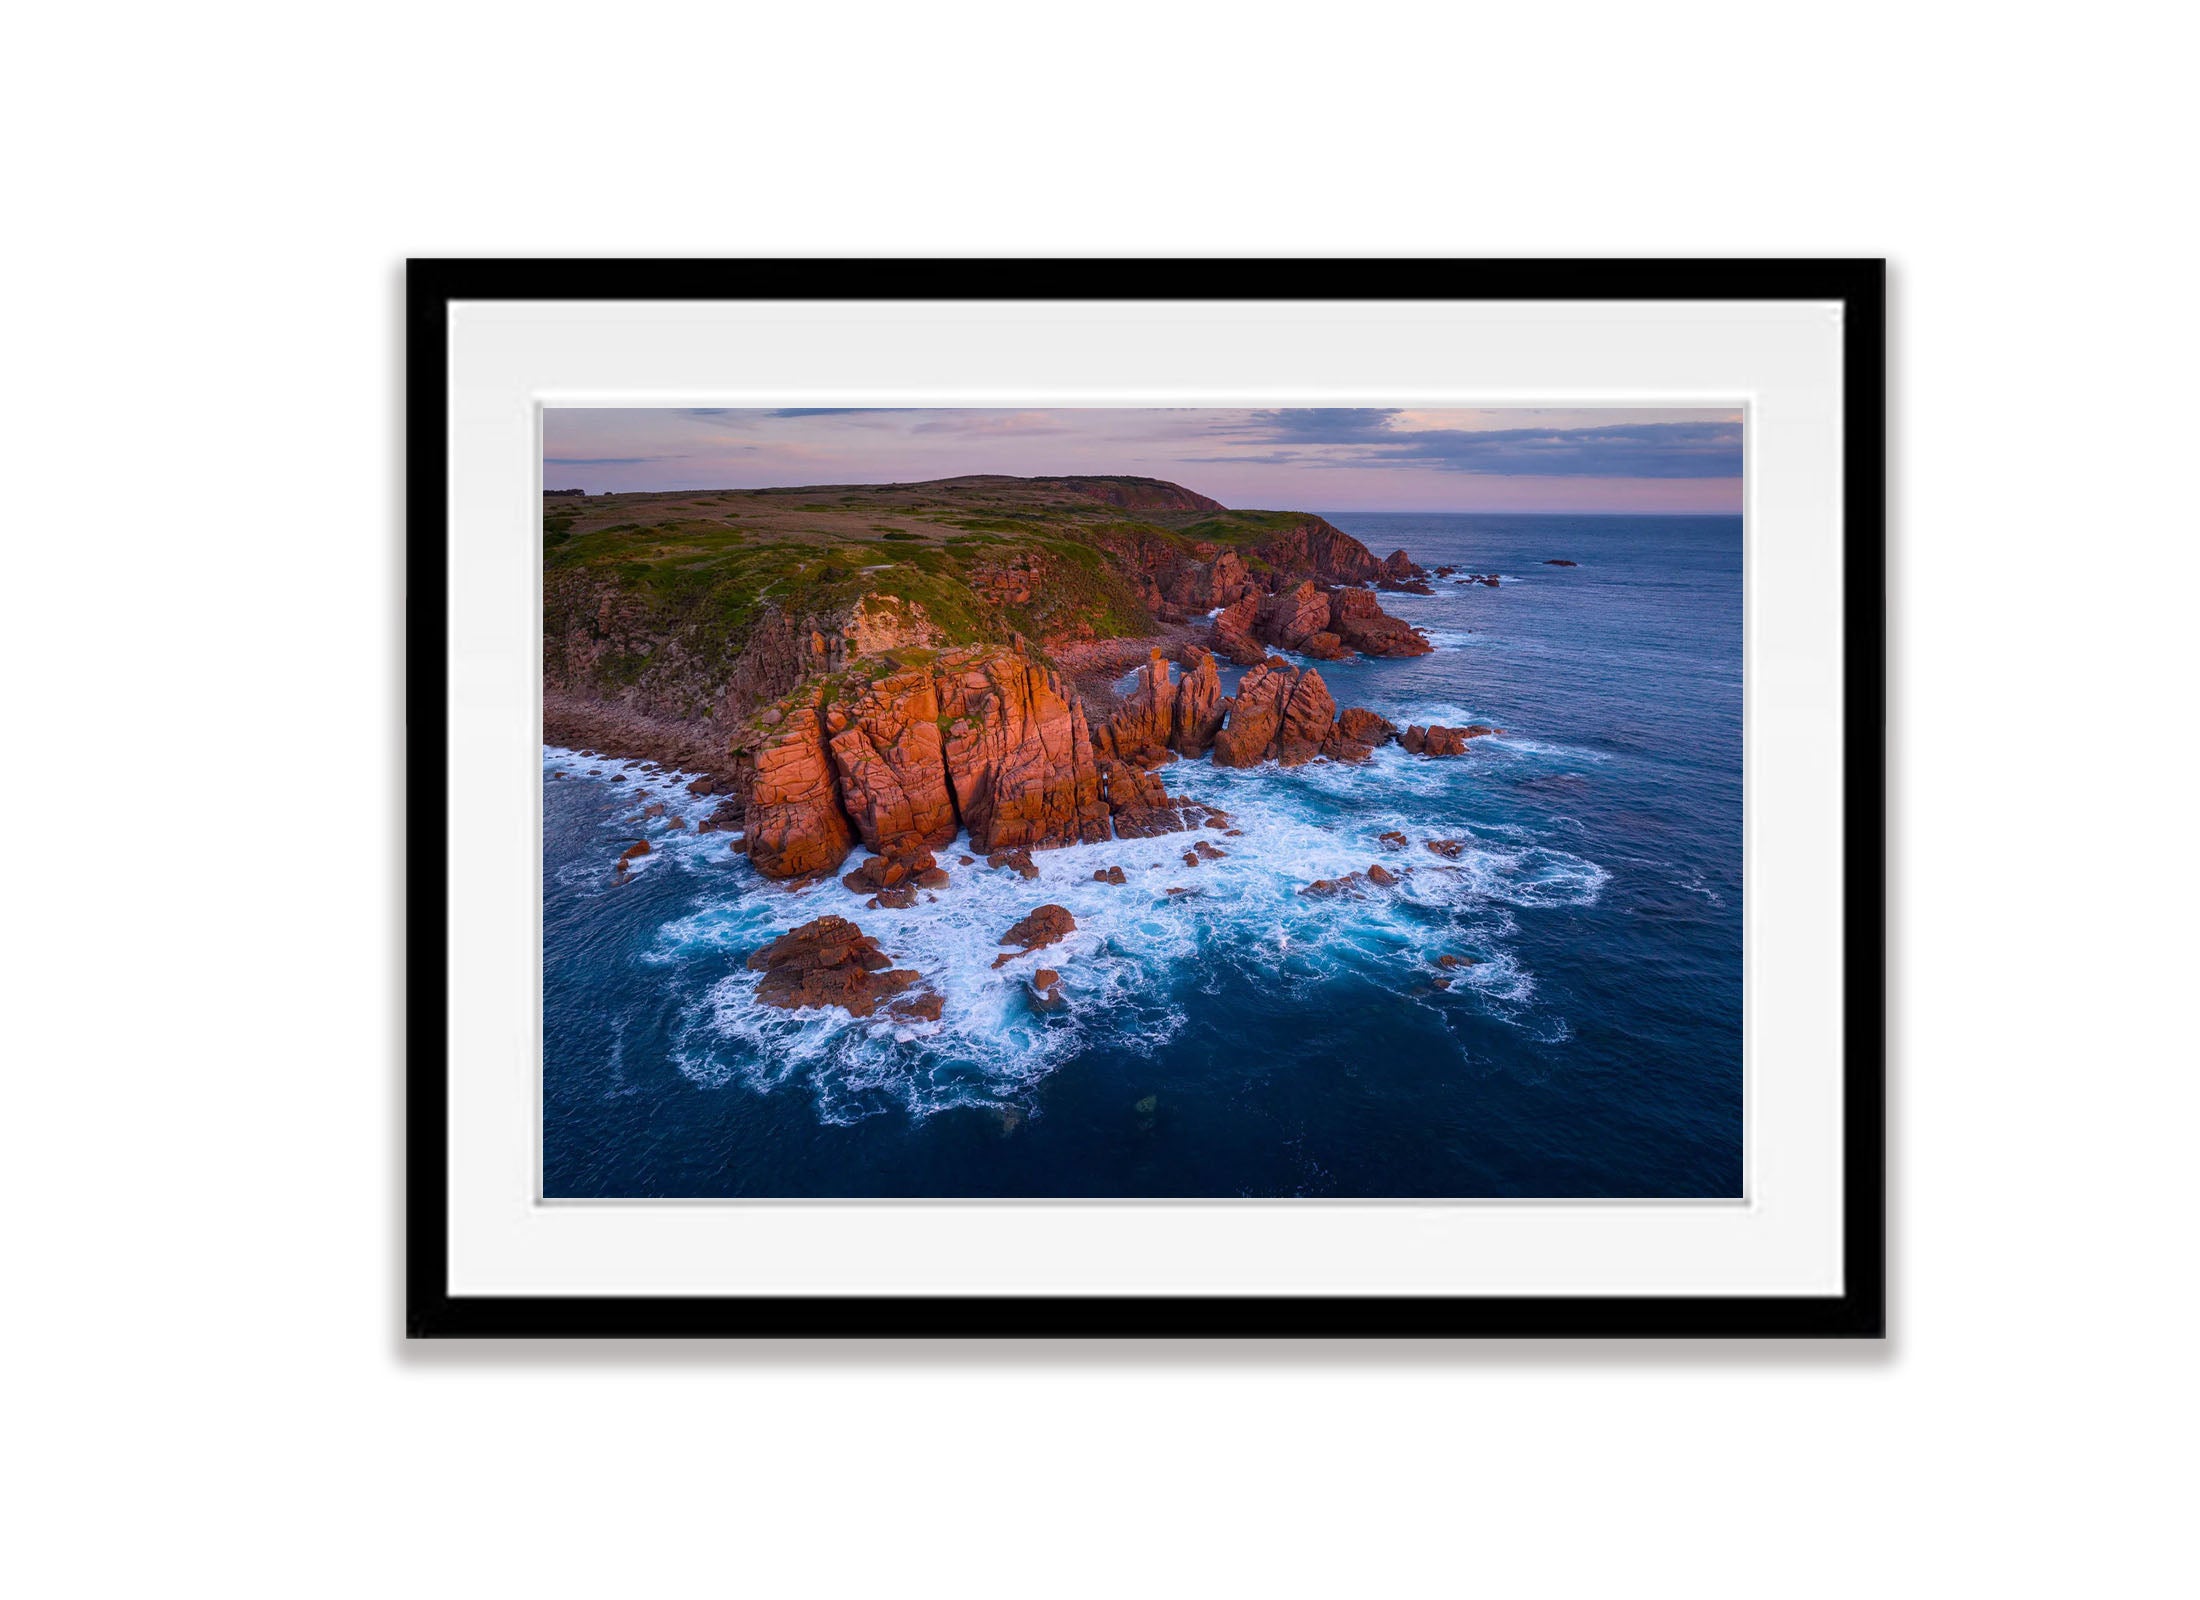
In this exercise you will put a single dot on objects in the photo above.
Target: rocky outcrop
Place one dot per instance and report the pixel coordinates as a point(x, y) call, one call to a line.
point(1308, 717)
point(1233, 633)
point(794, 825)
point(1316, 549)
point(1146, 721)
point(1437, 740)
point(1047, 925)
point(1288, 620)
point(1255, 713)
point(1357, 734)
point(828, 962)
point(1399, 567)
point(1357, 618)
point(1561, 561)
point(883, 873)
point(1139, 806)
point(886, 749)
point(1018, 753)
point(1204, 585)
point(1198, 711)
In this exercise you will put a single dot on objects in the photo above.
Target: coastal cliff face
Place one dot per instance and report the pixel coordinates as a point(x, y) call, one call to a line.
point(873, 663)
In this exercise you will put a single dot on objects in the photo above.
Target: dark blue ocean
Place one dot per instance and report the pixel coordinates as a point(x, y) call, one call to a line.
point(1245, 1040)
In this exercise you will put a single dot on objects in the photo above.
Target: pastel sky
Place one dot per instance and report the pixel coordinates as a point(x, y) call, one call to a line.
point(1640, 459)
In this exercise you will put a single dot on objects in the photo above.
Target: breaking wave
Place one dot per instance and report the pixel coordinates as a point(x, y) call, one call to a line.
point(1139, 957)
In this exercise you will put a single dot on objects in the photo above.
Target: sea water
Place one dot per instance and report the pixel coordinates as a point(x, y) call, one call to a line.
point(1244, 1039)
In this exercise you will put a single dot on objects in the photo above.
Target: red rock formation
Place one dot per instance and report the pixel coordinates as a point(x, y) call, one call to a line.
point(1381, 875)
point(1198, 709)
point(1202, 586)
point(1139, 805)
point(794, 823)
point(1290, 619)
point(1438, 740)
point(1398, 567)
point(828, 962)
point(1233, 635)
point(1315, 548)
point(921, 1007)
point(889, 872)
point(1018, 753)
point(1255, 714)
point(893, 782)
point(1147, 716)
point(1357, 617)
point(1307, 719)
point(1045, 926)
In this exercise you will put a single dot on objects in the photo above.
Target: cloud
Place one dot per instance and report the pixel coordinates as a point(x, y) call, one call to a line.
point(993, 423)
point(605, 461)
point(1325, 437)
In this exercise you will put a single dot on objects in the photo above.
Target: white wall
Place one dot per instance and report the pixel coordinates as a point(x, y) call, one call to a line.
point(208, 206)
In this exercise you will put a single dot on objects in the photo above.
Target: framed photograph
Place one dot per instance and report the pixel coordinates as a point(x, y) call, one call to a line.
point(1220, 798)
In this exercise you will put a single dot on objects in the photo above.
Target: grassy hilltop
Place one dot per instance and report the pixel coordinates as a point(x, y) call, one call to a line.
point(672, 585)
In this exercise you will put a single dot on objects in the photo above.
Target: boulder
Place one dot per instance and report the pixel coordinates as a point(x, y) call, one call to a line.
point(1561, 562)
point(828, 962)
point(924, 1006)
point(1449, 849)
point(1330, 888)
point(1398, 567)
point(1047, 925)
point(1140, 807)
point(1108, 875)
point(1381, 875)
point(882, 873)
point(1392, 840)
point(640, 847)
point(1017, 861)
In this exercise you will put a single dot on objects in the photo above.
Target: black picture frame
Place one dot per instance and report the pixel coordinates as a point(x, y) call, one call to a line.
point(1858, 1312)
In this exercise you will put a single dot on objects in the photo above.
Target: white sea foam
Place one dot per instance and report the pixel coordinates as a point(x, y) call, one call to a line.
point(1136, 948)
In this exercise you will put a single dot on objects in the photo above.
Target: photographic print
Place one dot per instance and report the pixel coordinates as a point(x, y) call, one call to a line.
point(1135, 803)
